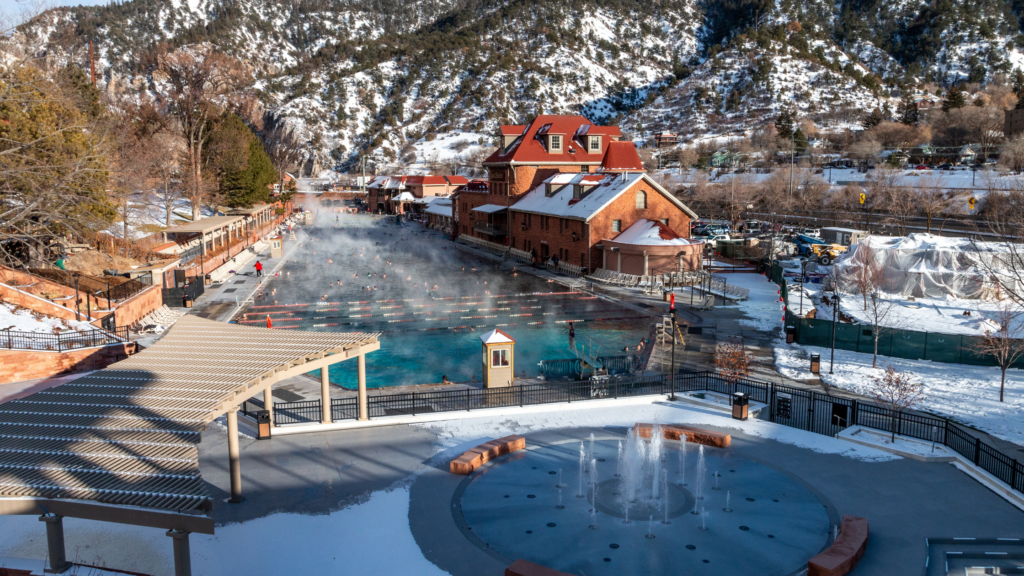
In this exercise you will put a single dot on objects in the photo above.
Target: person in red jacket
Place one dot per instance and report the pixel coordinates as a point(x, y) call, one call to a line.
point(259, 269)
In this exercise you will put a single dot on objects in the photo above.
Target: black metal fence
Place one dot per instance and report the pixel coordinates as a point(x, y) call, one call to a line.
point(173, 296)
point(794, 407)
point(14, 340)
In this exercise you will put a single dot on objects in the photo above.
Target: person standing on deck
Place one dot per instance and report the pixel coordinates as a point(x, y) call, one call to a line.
point(259, 269)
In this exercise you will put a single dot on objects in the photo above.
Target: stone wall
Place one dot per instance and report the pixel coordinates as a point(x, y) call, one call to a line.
point(17, 365)
point(135, 308)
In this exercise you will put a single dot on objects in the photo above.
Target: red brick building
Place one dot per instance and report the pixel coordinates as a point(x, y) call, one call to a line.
point(392, 194)
point(570, 215)
point(526, 156)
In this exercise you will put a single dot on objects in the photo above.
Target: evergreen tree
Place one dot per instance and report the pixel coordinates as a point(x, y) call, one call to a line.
point(247, 171)
point(800, 142)
point(886, 112)
point(954, 99)
point(873, 119)
point(784, 124)
point(1018, 87)
point(907, 110)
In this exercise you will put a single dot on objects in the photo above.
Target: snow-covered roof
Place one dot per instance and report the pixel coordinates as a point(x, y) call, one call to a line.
point(652, 233)
point(405, 197)
point(439, 210)
point(496, 337)
point(602, 190)
point(489, 208)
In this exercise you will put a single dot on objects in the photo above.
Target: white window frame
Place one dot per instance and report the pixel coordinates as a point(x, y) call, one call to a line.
point(555, 141)
point(616, 225)
point(501, 354)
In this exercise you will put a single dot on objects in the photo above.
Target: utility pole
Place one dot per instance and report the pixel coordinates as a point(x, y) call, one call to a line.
point(835, 313)
point(672, 372)
point(792, 158)
point(362, 182)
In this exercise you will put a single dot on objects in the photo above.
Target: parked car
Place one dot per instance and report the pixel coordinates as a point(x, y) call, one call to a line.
point(713, 240)
point(946, 166)
point(922, 167)
point(810, 232)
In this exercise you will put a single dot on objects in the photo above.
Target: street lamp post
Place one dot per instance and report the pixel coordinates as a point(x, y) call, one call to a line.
point(672, 372)
point(835, 314)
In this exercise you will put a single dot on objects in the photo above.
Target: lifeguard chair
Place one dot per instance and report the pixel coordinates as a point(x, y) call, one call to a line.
point(497, 359)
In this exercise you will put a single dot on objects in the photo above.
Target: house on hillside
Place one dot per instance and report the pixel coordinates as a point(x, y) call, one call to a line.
point(666, 139)
point(526, 156)
point(571, 215)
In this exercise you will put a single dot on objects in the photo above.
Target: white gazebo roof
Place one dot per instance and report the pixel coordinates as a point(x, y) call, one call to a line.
point(496, 337)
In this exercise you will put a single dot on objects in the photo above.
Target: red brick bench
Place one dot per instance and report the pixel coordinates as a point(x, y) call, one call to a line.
point(523, 568)
point(845, 552)
point(473, 459)
point(697, 435)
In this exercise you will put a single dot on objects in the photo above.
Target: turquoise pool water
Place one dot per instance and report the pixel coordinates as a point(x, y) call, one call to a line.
point(432, 306)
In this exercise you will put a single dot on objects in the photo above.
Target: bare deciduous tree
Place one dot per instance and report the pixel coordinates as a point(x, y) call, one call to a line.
point(733, 360)
point(194, 85)
point(896, 391)
point(282, 145)
point(1006, 344)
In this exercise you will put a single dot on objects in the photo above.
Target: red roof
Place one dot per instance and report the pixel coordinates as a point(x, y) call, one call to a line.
point(425, 180)
point(532, 148)
point(621, 157)
point(512, 130)
point(457, 180)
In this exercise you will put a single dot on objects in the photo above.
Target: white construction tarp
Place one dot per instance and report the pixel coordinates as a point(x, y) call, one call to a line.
point(928, 266)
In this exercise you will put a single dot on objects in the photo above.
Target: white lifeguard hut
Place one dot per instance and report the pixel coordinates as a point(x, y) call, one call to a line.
point(276, 247)
point(497, 359)
point(307, 217)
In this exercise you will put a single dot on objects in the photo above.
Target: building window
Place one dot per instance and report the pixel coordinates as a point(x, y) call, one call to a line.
point(556, 143)
point(595, 143)
point(641, 200)
point(664, 221)
point(616, 225)
point(499, 358)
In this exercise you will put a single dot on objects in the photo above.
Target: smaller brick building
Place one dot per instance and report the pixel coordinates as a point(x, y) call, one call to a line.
point(393, 194)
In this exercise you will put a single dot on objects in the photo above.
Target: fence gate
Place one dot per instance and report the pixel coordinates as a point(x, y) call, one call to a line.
point(830, 414)
point(792, 407)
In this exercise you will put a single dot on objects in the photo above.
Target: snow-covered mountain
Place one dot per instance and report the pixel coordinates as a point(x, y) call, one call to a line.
point(419, 81)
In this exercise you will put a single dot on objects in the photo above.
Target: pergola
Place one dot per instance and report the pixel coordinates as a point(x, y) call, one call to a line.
point(210, 230)
point(120, 445)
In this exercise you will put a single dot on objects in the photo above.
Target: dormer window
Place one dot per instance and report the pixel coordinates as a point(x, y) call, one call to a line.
point(554, 143)
point(549, 190)
point(580, 191)
point(595, 144)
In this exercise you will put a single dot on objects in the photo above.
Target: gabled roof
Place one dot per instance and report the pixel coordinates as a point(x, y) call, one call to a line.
point(514, 130)
point(621, 157)
point(604, 191)
point(651, 233)
point(456, 180)
point(496, 337)
point(395, 183)
point(376, 182)
point(530, 148)
point(474, 186)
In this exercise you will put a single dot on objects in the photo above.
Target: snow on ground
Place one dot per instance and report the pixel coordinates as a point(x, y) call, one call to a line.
point(969, 394)
point(762, 306)
point(458, 435)
point(936, 315)
point(18, 319)
point(368, 538)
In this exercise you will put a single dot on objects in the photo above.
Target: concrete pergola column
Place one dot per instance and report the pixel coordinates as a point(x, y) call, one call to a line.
point(645, 262)
point(182, 554)
point(268, 403)
point(233, 464)
point(618, 264)
point(325, 396)
point(55, 543)
point(364, 410)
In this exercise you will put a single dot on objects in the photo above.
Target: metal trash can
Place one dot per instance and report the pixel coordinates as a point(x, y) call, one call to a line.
point(208, 280)
point(815, 363)
point(740, 406)
point(263, 424)
point(790, 334)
